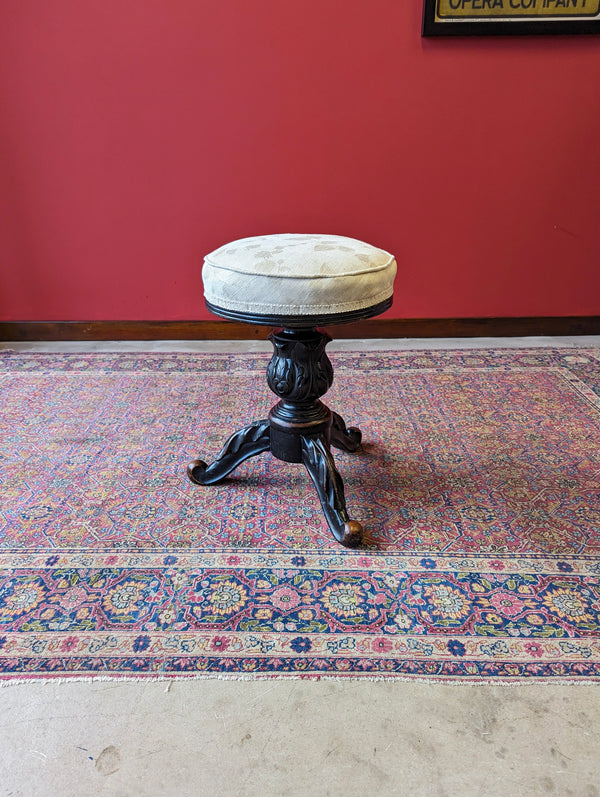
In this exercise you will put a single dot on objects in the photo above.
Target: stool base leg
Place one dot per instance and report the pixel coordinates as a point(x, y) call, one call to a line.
point(343, 438)
point(248, 442)
point(321, 467)
point(317, 458)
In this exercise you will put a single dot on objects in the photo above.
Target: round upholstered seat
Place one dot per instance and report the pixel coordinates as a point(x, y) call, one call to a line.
point(298, 279)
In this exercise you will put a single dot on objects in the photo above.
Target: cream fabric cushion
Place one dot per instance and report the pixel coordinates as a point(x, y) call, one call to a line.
point(298, 275)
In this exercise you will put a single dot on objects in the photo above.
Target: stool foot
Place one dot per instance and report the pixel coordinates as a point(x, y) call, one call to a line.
point(321, 467)
point(248, 442)
point(343, 438)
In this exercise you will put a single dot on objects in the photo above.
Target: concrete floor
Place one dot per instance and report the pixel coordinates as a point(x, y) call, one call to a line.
point(290, 737)
point(341, 344)
point(283, 738)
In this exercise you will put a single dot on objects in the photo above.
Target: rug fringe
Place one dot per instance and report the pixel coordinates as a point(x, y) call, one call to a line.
point(421, 679)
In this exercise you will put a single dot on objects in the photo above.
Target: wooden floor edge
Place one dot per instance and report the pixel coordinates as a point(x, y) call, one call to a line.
point(231, 330)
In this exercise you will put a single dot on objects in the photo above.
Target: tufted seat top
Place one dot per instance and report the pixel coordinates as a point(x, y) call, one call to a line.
point(293, 275)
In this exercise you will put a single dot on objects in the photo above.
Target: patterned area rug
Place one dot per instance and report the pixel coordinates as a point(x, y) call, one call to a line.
point(478, 484)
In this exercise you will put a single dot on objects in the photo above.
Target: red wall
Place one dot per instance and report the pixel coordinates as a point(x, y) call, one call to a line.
point(137, 135)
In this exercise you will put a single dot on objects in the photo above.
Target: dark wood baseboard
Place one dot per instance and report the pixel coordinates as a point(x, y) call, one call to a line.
point(232, 330)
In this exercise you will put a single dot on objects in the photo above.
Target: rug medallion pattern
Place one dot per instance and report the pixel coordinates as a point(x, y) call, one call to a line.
point(478, 485)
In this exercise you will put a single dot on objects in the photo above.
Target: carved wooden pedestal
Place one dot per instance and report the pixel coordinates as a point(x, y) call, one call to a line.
point(300, 428)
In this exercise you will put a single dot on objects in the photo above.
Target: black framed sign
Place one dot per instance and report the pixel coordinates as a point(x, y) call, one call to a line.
point(482, 17)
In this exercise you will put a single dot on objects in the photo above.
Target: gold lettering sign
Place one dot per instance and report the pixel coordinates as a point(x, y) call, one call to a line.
point(504, 17)
point(517, 9)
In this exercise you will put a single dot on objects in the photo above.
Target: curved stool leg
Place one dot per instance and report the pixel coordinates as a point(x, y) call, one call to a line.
point(343, 438)
point(248, 442)
point(321, 468)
